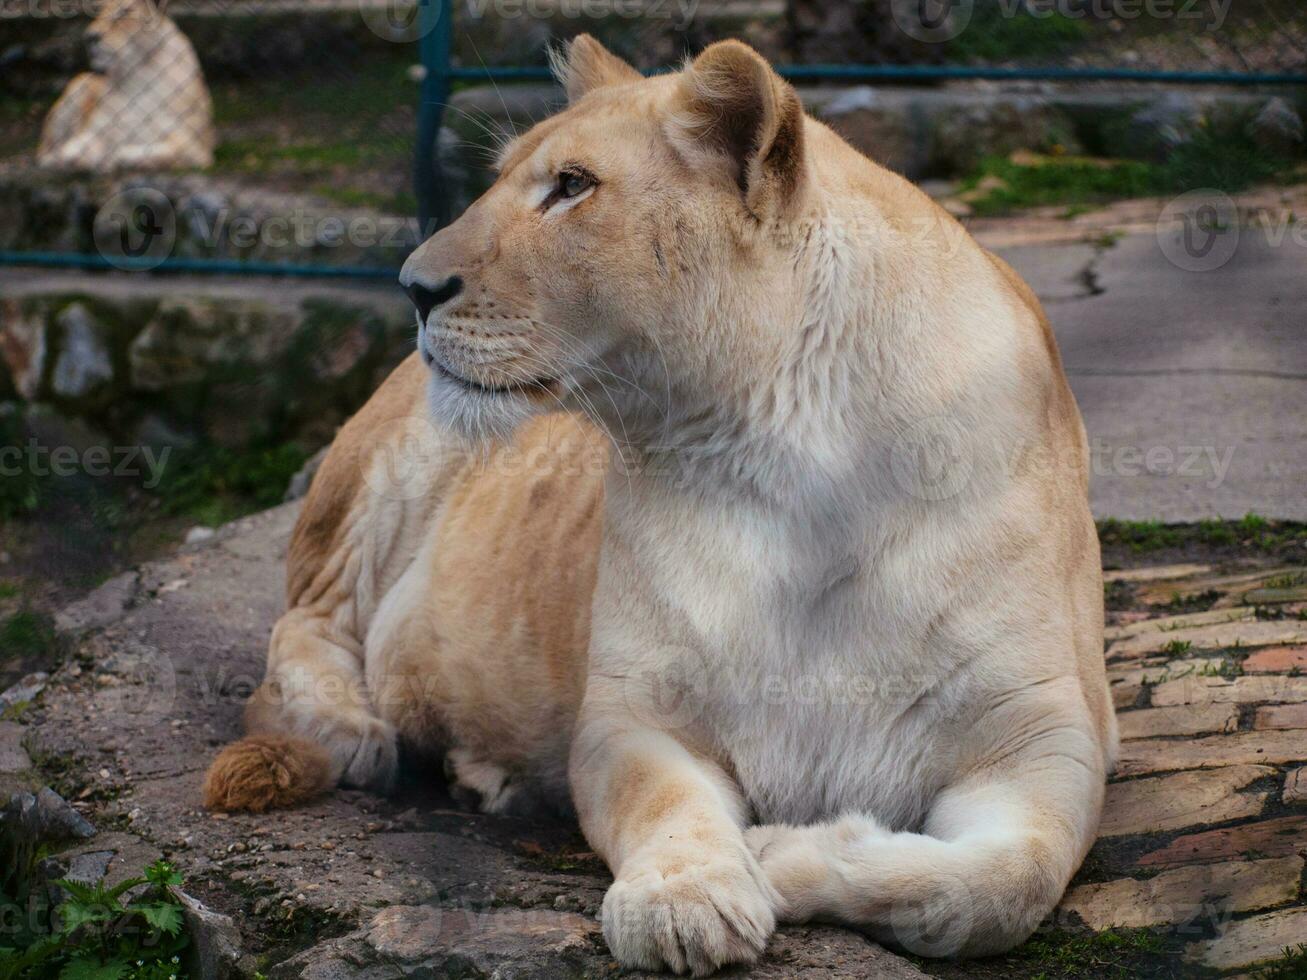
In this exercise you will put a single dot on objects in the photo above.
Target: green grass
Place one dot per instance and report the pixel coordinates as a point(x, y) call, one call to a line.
point(331, 132)
point(1291, 966)
point(216, 485)
point(995, 38)
point(1251, 531)
point(27, 634)
point(1110, 953)
point(1219, 155)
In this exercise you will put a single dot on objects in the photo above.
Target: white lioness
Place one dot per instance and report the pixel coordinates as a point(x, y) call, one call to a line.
point(789, 673)
point(144, 106)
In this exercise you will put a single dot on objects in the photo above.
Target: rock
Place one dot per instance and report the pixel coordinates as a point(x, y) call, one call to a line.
point(1184, 895)
point(1156, 129)
point(1280, 716)
point(1186, 621)
point(1295, 786)
point(1187, 799)
point(199, 534)
point(24, 347)
point(1168, 671)
point(303, 478)
point(885, 134)
point(1248, 941)
point(1178, 720)
point(1212, 637)
point(89, 866)
point(1242, 748)
point(1277, 128)
point(83, 366)
point(13, 757)
point(1125, 695)
point(106, 604)
point(1155, 573)
point(1275, 597)
point(216, 951)
point(1276, 660)
point(1214, 689)
point(1160, 593)
point(413, 933)
point(44, 818)
point(191, 337)
point(1280, 837)
point(25, 690)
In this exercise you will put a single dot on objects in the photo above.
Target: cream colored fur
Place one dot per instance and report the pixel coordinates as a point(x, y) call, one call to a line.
point(145, 104)
point(839, 654)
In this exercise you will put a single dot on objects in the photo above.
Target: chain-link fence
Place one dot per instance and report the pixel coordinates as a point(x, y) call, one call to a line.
point(282, 135)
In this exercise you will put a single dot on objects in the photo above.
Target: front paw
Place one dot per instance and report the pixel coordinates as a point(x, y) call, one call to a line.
point(689, 911)
point(364, 750)
point(792, 861)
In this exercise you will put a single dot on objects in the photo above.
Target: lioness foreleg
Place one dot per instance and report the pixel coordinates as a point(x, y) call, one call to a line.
point(688, 894)
point(993, 858)
point(310, 725)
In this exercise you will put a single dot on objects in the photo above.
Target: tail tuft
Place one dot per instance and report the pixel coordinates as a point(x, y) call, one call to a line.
point(267, 772)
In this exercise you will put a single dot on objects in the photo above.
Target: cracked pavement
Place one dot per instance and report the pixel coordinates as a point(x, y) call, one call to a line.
point(1193, 385)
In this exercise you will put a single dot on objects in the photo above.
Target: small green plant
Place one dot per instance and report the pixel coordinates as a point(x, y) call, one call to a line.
point(1177, 647)
point(104, 933)
point(1292, 965)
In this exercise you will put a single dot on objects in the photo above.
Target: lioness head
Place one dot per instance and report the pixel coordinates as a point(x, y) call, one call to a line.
point(123, 34)
point(632, 256)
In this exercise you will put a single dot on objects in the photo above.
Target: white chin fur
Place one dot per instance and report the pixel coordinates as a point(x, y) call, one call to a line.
point(475, 416)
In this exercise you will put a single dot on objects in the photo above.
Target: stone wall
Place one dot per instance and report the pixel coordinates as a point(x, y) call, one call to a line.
point(160, 360)
point(197, 216)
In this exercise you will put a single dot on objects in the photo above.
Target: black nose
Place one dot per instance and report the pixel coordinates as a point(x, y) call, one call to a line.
point(427, 299)
point(91, 37)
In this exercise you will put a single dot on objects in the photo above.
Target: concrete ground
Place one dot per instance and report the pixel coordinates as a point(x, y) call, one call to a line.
point(1193, 384)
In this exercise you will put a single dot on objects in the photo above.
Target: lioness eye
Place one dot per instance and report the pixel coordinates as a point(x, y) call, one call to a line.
point(573, 182)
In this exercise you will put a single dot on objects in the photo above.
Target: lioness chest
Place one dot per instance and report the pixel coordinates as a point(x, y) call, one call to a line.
point(822, 672)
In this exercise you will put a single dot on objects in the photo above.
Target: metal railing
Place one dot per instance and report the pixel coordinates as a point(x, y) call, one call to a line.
point(428, 28)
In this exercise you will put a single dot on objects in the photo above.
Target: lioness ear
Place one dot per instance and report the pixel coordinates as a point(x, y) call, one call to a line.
point(732, 106)
point(587, 65)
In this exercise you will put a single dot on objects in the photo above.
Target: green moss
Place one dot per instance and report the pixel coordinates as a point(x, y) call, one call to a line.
point(1220, 155)
point(1113, 952)
point(27, 634)
point(1139, 536)
point(215, 485)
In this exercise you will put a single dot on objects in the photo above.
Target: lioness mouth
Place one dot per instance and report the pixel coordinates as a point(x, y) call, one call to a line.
point(534, 386)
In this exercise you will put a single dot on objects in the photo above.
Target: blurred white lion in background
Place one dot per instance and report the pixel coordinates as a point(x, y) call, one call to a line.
point(144, 104)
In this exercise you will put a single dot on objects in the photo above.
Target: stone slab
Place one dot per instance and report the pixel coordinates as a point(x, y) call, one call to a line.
point(1186, 799)
point(1249, 941)
point(1183, 895)
point(13, 757)
point(1276, 660)
point(1143, 756)
point(1200, 689)
point(1237, 583)
point(1237, 614)
point(1280, 837)
point(1216, 637)
point(1295, 786)
point(1155, 573)
point(1184, 719)
point(1291, 716)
